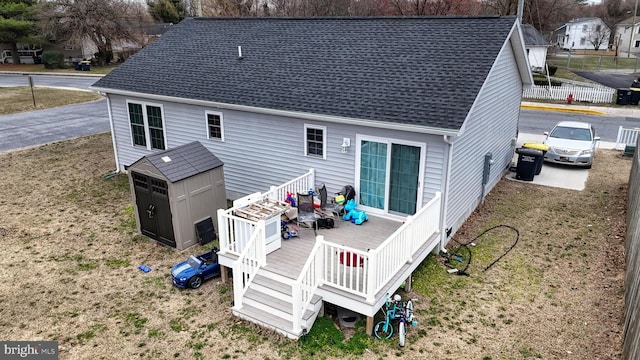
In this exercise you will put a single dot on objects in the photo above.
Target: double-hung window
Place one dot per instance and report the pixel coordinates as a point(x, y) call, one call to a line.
point(315, 141)
point(147, 125)
point(215, 126)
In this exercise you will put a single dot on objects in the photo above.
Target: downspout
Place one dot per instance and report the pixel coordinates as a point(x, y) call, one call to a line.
point(445, 203)
point(113, 134)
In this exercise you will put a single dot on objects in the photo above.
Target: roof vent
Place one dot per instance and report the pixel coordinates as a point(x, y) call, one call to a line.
point(239, 52)
point(166, 159)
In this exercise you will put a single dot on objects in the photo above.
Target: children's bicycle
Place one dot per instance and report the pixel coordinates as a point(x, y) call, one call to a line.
point(395, 309)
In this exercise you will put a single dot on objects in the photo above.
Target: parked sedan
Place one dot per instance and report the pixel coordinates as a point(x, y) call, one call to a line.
point(196, 269)
point(571, 143)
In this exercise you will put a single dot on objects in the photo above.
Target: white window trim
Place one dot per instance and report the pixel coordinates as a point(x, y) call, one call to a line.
point(145, 120)
point(206, 122)
point(324, 141)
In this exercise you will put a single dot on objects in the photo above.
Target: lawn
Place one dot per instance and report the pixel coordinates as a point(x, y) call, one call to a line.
point(19, 99)
point(40, 68)
point(70, 258)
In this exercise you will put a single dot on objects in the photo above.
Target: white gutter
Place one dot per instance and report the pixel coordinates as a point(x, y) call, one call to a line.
point(287, 113)
point(445, 202)
point(113, 135)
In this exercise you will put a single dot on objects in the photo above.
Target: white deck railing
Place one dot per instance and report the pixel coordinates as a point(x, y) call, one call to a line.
point(360, 272)
point(626, 136)
point(586, 94)
point(301, 184)
point(235, 231)
point(398, 249)
point(252, 258)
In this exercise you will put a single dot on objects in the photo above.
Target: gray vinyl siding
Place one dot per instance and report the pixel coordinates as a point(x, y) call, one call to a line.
point(490, 127)
point(264, 150)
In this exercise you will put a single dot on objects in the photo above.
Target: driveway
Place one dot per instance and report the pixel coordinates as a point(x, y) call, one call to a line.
point(610, 79)
point(35, 128)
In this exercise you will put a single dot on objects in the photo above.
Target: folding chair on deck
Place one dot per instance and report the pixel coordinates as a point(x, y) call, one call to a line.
point(306, 211)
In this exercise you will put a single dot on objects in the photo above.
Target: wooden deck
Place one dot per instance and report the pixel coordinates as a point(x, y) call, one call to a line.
point(291, 257)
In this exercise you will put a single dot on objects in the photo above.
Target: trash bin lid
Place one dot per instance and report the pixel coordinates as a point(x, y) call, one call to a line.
point(536, 146)
point(529, 152)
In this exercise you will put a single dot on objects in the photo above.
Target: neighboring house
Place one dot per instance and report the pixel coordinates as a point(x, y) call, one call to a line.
point(86, 49)
point(384, 104)
point(582, 34)
point(627, 35)
point(536, 46)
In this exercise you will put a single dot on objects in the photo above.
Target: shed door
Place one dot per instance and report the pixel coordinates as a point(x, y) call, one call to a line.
point(152, 199)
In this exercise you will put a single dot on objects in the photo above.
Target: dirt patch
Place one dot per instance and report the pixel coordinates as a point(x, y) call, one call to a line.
point(70, 257)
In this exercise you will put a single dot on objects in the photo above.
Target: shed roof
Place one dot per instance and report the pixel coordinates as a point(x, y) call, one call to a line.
point(183, 161)
point(532, 37)
point(423, 71)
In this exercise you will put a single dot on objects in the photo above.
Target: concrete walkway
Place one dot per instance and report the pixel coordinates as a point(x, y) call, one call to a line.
point(629, 110)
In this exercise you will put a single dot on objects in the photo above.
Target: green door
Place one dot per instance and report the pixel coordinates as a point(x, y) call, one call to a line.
point(389, 176)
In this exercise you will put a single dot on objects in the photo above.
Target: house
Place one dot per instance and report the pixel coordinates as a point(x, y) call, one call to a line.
point(85, 48)
point(582, 34)
point(627, 38)
point(536, 46)
point(383, 103)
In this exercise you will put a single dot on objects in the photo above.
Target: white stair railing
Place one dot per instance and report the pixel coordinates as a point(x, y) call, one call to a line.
point(245, 268)
point(307, 283)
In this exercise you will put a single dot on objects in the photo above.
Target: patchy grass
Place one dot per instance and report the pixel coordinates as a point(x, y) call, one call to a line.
point(19, 99)
point(71, 250)
point(40, 68)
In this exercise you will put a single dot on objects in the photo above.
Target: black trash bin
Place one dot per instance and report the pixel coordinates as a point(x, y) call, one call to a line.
point(624, 96)
point(527, 163)
point(635, 97)
point(76, 65)
point(86, 66)
point(537, 146)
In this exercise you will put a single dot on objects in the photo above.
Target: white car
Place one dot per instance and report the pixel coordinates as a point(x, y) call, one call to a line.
point(571, 143)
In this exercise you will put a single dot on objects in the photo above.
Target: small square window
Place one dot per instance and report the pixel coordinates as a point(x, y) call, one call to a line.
point(315, 141)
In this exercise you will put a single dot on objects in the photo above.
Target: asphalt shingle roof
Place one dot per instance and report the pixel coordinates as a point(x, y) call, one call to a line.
point(532, 37)
point(186, 161)
point(422, 71)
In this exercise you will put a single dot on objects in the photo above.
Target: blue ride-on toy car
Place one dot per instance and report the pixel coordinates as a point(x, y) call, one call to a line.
point(196, 269)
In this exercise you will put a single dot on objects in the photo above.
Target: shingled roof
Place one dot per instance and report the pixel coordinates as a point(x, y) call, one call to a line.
point(184, 161)
point(532, 37)
point(424, 71)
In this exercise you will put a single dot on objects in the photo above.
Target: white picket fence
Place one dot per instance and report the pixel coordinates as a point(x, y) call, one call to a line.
point(582, 94)
point(626, 136)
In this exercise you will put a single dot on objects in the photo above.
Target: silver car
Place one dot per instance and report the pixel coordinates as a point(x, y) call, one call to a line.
point(571, 143)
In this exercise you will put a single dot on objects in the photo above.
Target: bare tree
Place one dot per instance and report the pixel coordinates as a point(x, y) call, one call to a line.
point(598, 36)
point(435, 7)
point(103, 22)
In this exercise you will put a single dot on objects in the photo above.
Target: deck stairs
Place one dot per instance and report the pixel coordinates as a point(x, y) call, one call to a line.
point(268, 302)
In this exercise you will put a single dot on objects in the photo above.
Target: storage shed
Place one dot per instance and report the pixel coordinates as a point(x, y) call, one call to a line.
point(176, 195)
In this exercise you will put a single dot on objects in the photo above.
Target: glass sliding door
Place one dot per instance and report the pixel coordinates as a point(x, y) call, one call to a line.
point(390, 174)
point(403, 182)
point(373, 173)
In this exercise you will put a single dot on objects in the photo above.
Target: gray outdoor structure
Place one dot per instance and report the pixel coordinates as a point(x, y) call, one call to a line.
point(176, 193)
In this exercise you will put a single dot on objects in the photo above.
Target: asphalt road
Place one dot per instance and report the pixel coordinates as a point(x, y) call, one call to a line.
point(612, 80)
point(35, 128)
point(60, 81)
point(538, 121)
